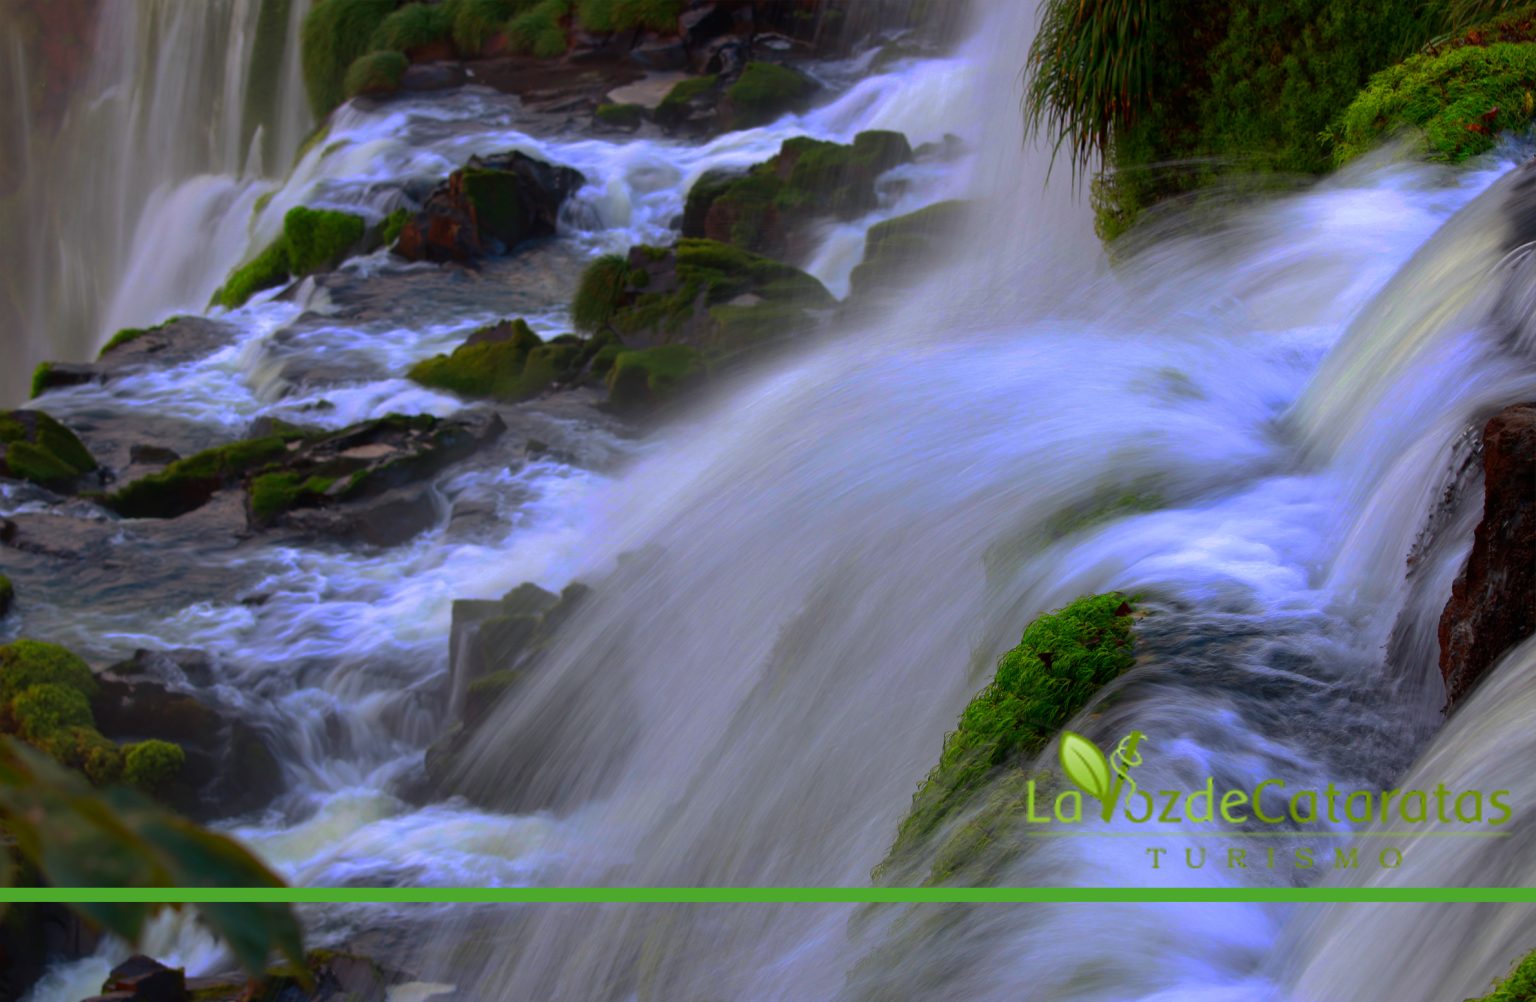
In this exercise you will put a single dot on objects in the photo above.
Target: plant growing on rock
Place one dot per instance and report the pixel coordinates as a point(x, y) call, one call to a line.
point(375, 73)
point(336, 33)
point(312, 240)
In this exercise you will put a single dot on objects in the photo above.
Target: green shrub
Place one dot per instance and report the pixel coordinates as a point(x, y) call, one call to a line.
point(626, 15)
point(151, 765)
point(336, 33)
point(1061, 661)
point(475, 21)
point(764, 91)
point(1457, 101)
point(598, 294)
point(25, 663)
point(375, 73)
point(1519, 986)
point(414, 26)
point(539, 30)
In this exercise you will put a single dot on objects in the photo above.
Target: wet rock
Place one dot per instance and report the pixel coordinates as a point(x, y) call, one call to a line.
point(54, 375)
point(59, 537)
point(7, 596)
point(508, 362)
point(141, 979)
point(661, 55)
point(433, 76)
point(391, 519)
point(333, 976)
point(1493, 602)
point(488, 207)
point(230, 768)
point(174, 342)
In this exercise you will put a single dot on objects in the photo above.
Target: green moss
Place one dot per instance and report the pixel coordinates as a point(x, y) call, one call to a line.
point(621, 116)
point(86, 750)
point(414, 26)
point(335, 34)
point(393, 224)
point(653, 376)
point(674, 108)
point(40, 710)
point(40, 377)
point(484, 366)
point(1061, 661)
point(894, 247)
point(764, 91)
point(1105, 506)
point(1519, 986)
point(376, 72)
point(1456, 102)
point(128, 335)
point(25, 663)
point(267, 270)
point(274, 493)
point(475, 21)
point(540, 30)
point(40, 449)
point(187, 484)
point(312, 240)
point(497, 198)
point(152, 765)
point(626, 15)
point(599, 292)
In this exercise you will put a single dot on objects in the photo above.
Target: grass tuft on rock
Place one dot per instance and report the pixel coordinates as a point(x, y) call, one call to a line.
point(375, 73)
point(334, 35)
point(627, 15)
point(540, 30)
point(414, 26)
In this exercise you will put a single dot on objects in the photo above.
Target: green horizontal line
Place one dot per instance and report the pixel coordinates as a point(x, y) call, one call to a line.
point(760, 895)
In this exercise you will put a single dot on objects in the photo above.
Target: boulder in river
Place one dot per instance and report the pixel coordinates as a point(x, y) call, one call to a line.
point(1493, 602)
point(487, 207)
point(507, 361)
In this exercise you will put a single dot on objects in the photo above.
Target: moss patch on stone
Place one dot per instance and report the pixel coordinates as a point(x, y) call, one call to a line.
point(393, 223)
point(675, 107)
point(1062, 660)
point(894, 248)
point(621, 116)
point(312, 240)
point(267, 270)
point(187, 484)
point(653, 376)
point(45, 693)
point(764, 91)
point(274, 493)
point(152, 765)
point(40, 449)
point(489, 364)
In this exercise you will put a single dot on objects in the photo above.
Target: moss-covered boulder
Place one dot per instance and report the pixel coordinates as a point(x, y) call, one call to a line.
point(293, 468)
point(45, 700)
point(58, 375)
point(40, 449)
point(1454, 100)
point(649, 378)
point(690, 106)
point(768, 207)
point(313, 240)
point(894, 249)
point(714, 297)
point(764, 92)
point(508, 362)
point(624, 117)
point(1063, 659)
point(489, 206)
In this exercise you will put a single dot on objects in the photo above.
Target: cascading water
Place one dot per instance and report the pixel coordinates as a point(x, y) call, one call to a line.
point(830, 557)
point(132, 207)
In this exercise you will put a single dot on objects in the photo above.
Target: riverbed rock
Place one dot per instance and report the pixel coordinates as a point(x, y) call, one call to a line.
point(507, 361)
point(144, 979)
point(39, 449)
point(768, 208)
point(489, 206)
point(1493, 601)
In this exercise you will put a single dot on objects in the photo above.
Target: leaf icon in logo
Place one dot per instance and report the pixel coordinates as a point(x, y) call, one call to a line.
point(1086, 766)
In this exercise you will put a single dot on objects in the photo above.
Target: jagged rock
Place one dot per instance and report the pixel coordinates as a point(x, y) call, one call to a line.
point(1493, 602)
point(141, 979)
point(230, 767)
point(487, 207)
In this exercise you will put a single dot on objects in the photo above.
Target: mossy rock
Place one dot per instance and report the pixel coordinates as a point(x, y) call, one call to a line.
point(1455, 102)
point(649, 378)
point(686, 101)
point(620, 116)
point(271, 494)
point(508, 362)
point(764, 92)
point(312, 240)
point(895, 248)
point(1063, 659)
point(673, 294)
point(393, 223)
point(763, 209)
point(1519, 986)
point(45, 693)
point(40, 449)
point(152, 765)
point(188, 484)
point(376, 73)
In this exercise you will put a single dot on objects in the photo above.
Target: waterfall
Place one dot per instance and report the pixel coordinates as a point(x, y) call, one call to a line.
point(182, 107)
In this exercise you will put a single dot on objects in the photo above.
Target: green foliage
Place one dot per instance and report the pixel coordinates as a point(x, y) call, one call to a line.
point(376, 72)
point(626, 15)
point(539, 30)
point(621, 116)
point(81, 837)
point(151, 765)
point(335, 33)
point(26, 663)
point(272, 494)
point(475, 21)
point(188, 483)
point(1061, 661)
point(1519, 986)
point(267, 270)
point(1457, 101)
point(599, 292)
point(764, 91)
point(393, 224)
point(652, 376)
point(40, 710)
point(414, 26)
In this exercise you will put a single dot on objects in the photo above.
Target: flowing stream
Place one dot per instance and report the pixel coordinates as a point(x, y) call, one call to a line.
point(836, 549)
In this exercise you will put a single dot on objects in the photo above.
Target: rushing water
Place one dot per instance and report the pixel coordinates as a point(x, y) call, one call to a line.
point(835, 551)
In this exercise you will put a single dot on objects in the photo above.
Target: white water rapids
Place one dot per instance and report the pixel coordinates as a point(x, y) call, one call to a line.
point(838, 548)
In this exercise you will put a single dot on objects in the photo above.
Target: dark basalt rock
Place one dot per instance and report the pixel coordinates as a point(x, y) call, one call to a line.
point(142, 979)
point(1493, 602)
point(488, 207)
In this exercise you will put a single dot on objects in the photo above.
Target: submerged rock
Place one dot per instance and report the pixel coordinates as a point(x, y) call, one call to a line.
point(488, 207)
point(1493, 602)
